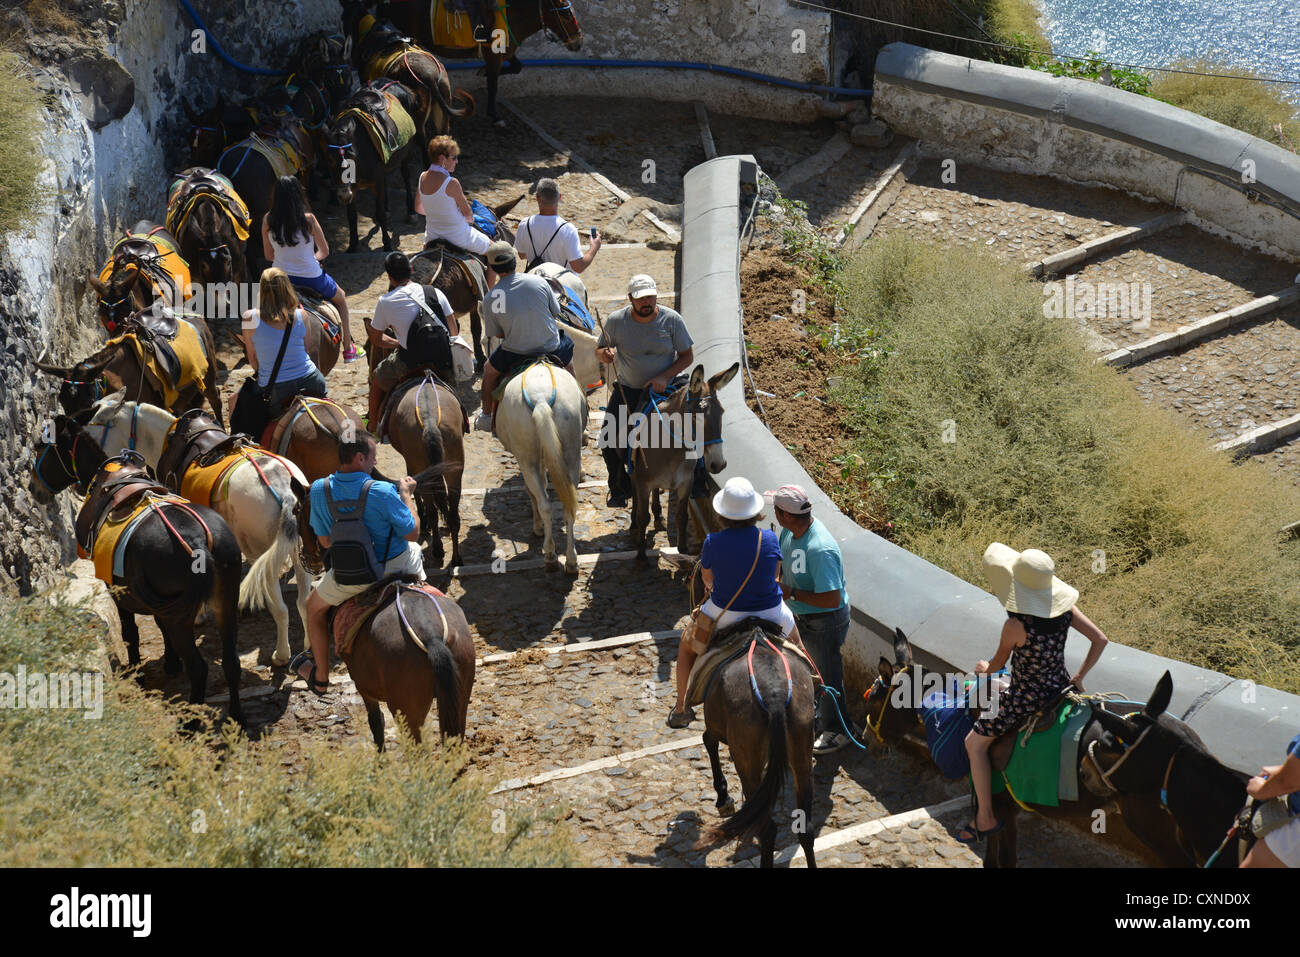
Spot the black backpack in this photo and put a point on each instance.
(427, 342)
(537, 259)
(351, 552)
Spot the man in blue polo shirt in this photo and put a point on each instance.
(812, 581)
(393, 521)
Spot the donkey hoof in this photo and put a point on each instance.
(278, 660)
(571, 567)
(727, 808)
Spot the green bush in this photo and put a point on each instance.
(20, 159)
(129, 789)
(1052, 450)
(1254, 107)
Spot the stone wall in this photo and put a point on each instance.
(114, 128)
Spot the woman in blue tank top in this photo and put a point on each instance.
(264, 332)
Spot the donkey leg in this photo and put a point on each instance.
(303, 580)
(225, 607)
(181, 636)
(172, 664)
(453, 518)
(431, 523)
(381, 211)
(660, 525)
(375, 718)
(726, 805)
(130, 634)
(535, 480)
(640, 518)
(476, 330)
(352, 224)
(799, 748)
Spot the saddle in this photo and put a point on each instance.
(314, 304)
(154, 251)
(202, 183)
(728, 644)
(412, 380)
(450, 26)
(345, 621)
(1002, 749)
(385, 119)
(471, 264)
(169, 348)
(277, 433)
(375, 38)
(194, 438)
(277, 146)
(114, 494)
(518, 370)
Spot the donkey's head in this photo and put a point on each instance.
(702, 399)
(82, 384)
(63, 457)
(886, 720)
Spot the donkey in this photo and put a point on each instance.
(117, 366)
(670, 465)
(309, 432)
(178, 558)
(1153, 830)
(259, 499)
(416, 648)
(432, 267)
(144, 264)
(523, 18)
(1152, 757)
(207, 237)
(541, 421)
(212, 130)
(354, 155)
(247, 164)
(762, 708)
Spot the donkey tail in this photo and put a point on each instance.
(262, 583)
(757, 810)
(448, 682)
(553, 455)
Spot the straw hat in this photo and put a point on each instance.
(738, 500)
(1026, 583)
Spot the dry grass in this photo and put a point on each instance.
(20, 160)
(1054, 451)
(50, 15)
(1254, 107)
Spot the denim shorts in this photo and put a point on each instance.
(503, 360)
(323, 285)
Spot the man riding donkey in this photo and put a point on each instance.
(524, 311)
(648, 345)
(406, 311)
(386, 541)
(546, 238)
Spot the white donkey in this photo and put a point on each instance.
(586, 366)
(541, 421)
(262, 516)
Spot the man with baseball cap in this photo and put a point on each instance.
(522, 310)
(649, 345)
(545, 237)
(812, 581)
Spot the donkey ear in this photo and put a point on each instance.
(697, 380)
(886, 670)
(722, 378)
(902, 650)
(60, 371)
(1160, 697)
(1120, 727)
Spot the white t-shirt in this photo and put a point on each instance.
(563, 249)
(397, 309)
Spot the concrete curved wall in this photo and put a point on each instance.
(1032, 122)
(951, 623)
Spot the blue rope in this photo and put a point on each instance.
(834, 695)
(216, 47)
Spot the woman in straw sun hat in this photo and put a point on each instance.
(1040, 611)
(740, 565)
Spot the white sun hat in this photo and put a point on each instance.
(641, 285)
(738, 500)
(1026, 583)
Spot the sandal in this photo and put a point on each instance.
(680, 719)
(973, 835)
(319, 688)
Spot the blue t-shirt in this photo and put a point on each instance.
(729, 554)
(386, 516)
(1293, 802)
(812, 562)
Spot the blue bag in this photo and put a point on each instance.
(484, 220)
(947, 720)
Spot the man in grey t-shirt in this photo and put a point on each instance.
(522, 309)
(648, 345)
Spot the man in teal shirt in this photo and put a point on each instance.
(812, 581)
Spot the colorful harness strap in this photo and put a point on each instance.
(427, 380)
(523, 385)
(410, 632)
(753, 681)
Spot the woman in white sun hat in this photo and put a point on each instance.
(740, 566)
(1040, 611)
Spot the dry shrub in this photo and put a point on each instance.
(1252, 106)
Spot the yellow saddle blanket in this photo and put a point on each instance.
(188, 349)
(387, 141)
(186, 193)
(169, 276)
(455, 29)
(112, 536)
(282, 156)
(204, 483)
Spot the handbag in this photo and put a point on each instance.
(698, 631)
(253, 404)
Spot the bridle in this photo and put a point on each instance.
(69, 468)
(555, 35)
(879, 685)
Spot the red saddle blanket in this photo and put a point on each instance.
(352, 615)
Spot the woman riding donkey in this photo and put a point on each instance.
(448, 215)
(293, 241)
(740, 566)
(278, 328)
(1040, 610)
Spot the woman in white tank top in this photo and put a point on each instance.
(294, 242)
(447, 214)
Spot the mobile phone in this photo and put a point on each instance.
(593, 232)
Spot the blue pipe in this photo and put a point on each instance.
(677, 65)
(222, 53)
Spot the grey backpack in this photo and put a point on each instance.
(352, 553)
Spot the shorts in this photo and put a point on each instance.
(1285, 842)
(390, 371)
(322, 285)
(410, 561)
(778, 615)
(504, 360)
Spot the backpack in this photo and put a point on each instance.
(427, 342)
(351, 552)
(537, 259)
(947, 720)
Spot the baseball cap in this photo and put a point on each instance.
(500, 253)
(791, 499)
(641, 285)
